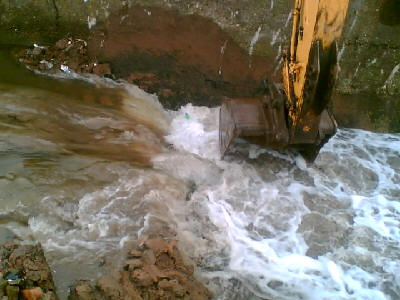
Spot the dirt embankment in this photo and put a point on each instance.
(181, 58)
(24, 273)
(155, 270)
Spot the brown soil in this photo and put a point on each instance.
(155, 270)
(181, 58)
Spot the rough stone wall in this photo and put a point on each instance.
(369, 52)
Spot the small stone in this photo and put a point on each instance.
(82, 290)
(149, 257)
(165, 284)
(133, 264)
(135, 253)
(172, 285)
(37, 51)
(142, 279)
(179, 290)
(32, 293)
(61, 44)
(12, 292)
(109, 286)
(33, 275)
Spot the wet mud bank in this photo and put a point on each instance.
(155, 269)
(183, 59)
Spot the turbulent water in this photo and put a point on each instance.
(87, 176)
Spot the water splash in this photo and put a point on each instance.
(91, 22)
(223, 48)
(275, 36)
(390, 77)
(253, 41)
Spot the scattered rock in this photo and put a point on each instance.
(110, 286)
(67, 52)
(101, 69)
(156, 271)
(24, 271)
(62, 44)
(135, 253)
(83, 290)
(133, 263)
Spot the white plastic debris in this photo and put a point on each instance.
(65, 69)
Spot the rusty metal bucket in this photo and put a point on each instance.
(263, 122)
(259, 121)
(240, 117)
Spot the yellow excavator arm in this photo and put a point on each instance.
(298, 117)
(317, 25)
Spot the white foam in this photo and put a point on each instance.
(254, 40)
(190, 131)
(241, 200)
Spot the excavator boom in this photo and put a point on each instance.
(298, 116)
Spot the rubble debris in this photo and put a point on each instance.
(24, 273)
(67, 55)
(155, 270)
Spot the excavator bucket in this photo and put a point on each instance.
(257, 120)
(240, 117)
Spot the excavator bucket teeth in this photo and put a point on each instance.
(226, 127)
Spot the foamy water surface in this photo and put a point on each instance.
(260, 224)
